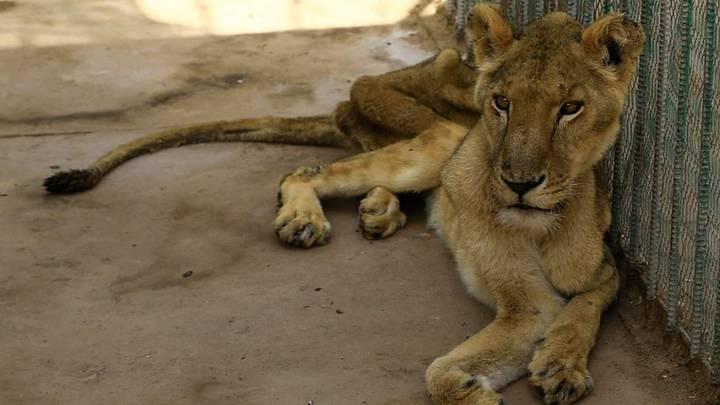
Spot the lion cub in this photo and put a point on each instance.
(516, 198)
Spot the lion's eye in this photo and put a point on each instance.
(571, 108)
(501, 103)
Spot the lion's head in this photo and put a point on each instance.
(551, 98)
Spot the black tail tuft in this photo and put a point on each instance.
(72, 181)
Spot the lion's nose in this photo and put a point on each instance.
(523, 187)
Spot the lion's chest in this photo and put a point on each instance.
(474, 281)
(485, 262)
(488, 260)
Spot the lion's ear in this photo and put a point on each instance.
(489, 30)
(617, 42)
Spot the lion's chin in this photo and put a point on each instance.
(528, 218)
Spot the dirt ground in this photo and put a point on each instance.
(165, 284)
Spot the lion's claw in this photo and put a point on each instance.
(564, 387)
(303, 228)
(559, 381)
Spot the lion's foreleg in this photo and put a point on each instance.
(407, 166)
(473, 372)
(486, 362)
(559, 367)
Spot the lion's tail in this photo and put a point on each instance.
(317, 130)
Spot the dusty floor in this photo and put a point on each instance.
(165, 285)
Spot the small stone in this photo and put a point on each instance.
(93, 373)
(339, 311)
(187, 274)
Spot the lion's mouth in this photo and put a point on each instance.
(525, 207)
(532, 208)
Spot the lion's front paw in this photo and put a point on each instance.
(564, 387)
(558, 372)
(380, 214)
(302, 226)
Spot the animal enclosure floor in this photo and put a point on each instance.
(166, 285)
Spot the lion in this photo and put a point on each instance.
(517, 199)
(507, 147)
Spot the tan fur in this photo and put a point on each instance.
(380, 214)
(534, 253)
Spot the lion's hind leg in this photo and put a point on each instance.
(300, 220)
(412, 165)
(380, 214)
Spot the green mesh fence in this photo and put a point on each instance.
(665, 167)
